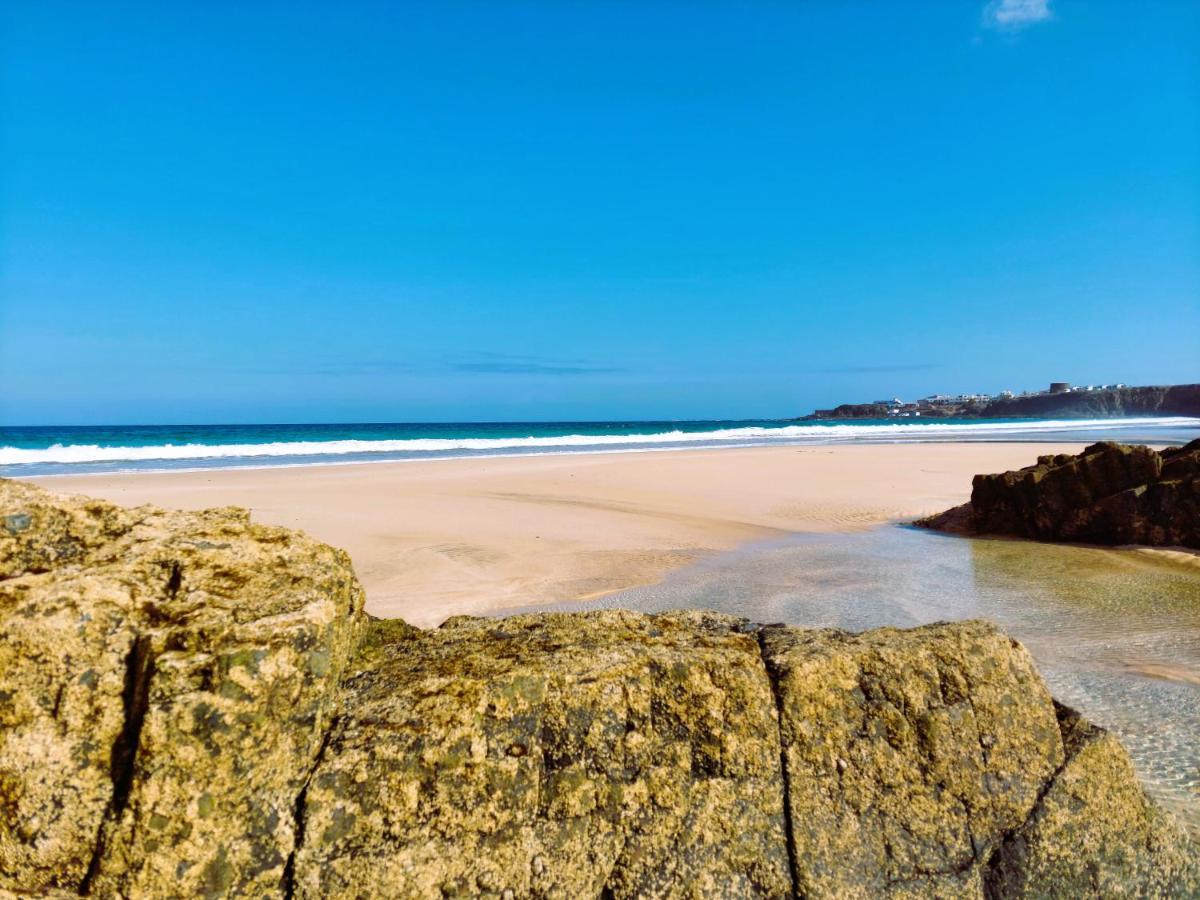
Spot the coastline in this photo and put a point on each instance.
(436, 538)
(36, 451)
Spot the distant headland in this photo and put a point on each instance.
(1060, 400)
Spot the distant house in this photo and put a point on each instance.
(1060, 387)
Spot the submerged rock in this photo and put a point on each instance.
(194, 705)
(1107, 494)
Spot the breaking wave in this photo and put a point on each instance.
(357, 449)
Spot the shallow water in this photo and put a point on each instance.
(1117, 636)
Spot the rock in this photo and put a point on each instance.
(908, 754)
(1108, 494)
(956, 520)
(194, 705)
(64, 646)
(169, 678)
(605, 754)
(1094, 832)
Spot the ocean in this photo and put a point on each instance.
(57, 450)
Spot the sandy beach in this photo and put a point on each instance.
(467, 536)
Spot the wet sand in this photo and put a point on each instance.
(432, 539)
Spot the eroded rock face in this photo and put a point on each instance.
(908, 754)
(1094, 833)
(193, 705)
(169, 678)
(603, 754)
(1107, 494)
(64, 643)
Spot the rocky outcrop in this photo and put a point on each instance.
(883, 411)
(196, 706)
(602, 755)
(1093, 833)
(909, 755)
(1108, 494)
(168, 680)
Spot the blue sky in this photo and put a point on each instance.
(456, 211)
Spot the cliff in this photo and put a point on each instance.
(1107, 494)
(195, 705)
(1173, 400)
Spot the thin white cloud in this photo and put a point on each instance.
(1014, 14)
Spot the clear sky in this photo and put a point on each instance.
(354, 211)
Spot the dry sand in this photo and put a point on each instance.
(432, 539)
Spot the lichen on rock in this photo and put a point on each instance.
(1094, 831)
(170, 678)
(908, 754)
(602, 754)
(195, 705)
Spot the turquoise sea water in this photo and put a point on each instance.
(26, 451)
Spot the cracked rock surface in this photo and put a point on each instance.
(167, 680)
(909, 754)
(194, 705)
(605, 754)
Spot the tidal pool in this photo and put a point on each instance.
(1116, 633)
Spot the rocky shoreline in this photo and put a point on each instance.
(1108, 494)
(197, 705)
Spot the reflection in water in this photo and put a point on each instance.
(1116, 635)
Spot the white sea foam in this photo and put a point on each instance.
(66, 454)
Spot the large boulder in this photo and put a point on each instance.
(931, 762)
(615, 754)
(607, 754)
(908, 754)
(194, 705)
(1107, 494)
(168, 679)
